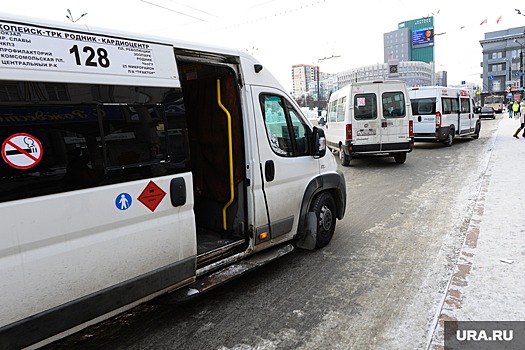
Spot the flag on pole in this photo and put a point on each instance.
(499, 19)
(484, 21)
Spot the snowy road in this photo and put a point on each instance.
(380, 284)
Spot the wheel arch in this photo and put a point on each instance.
(333, 183)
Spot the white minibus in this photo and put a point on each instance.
(370, 118)
(133, 166)
(442, 114)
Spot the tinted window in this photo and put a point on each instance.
(91, 135)
(423, 106)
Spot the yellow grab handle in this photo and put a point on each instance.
(230, 155)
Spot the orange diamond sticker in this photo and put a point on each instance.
(152, 196)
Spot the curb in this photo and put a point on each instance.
(453, 297)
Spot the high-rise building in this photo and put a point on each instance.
(442, 78)
(421, 38)
(413, 41)
(305, 81)
(503, 61)
(397, 45)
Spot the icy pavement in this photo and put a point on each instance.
(488, 281)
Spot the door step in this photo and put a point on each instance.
(207, 282)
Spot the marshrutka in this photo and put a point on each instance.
(125, 177)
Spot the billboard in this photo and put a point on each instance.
(423, 36)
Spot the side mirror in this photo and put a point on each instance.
(319, 143)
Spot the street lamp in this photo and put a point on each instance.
(319, 80)
(434, 59)
(521, 61)
(508, 65)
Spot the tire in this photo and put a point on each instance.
(325, 212)
(345, 160)
(400, 158)
(478, 130)
(450, 138)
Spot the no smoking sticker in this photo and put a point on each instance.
(22, 151)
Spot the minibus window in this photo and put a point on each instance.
(332, 111)
(365, 106)
(134, 135)
(62, 123)
(393, 104)
(423, 106)
(450, 105)
(287, 134)
(341, 109)
(465, 105)
(299, 134)
(9, 92)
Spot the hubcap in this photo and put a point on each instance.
(325, 218)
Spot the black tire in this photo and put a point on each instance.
(400, 158)
(325, 211)
(345, 160)
(478, 130)
(450, 138)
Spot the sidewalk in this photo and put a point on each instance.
(488, 283)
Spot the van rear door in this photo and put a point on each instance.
(366, 119)
(395, 121)
(424, 113)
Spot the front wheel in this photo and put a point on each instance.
(325, 212)
(478, 130)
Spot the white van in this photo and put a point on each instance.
(133, 166)
(442, 114)
(370, 118)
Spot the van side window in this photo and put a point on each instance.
(450, 105)
(365, 106)
(332, 111)
(286, 132)
(341, 109)
(92, 138)
(465, 106)
(137, 136)
(393, 104)
(423, 106)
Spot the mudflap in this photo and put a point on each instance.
(309, 237)
(206, 283)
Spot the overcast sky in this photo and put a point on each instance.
(286, 32)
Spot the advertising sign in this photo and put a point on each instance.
(422, 36)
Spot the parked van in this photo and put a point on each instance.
(442, 114)
(370, 118)
(133, 166)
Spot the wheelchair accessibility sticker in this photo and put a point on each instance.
(123, 201)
